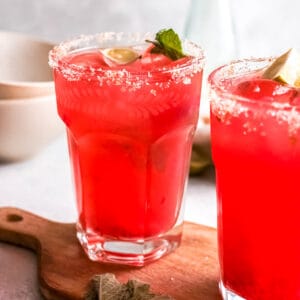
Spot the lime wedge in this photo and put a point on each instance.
(200, 160)
(285, 69)
(120, 56)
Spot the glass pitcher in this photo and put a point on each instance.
(210, 23)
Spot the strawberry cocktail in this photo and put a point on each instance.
(130, 105)
(255, 131)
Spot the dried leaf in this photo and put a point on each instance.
(107, 287)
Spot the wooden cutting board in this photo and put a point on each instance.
(189, 273)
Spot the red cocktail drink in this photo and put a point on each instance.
(255, 131)
(130, 129)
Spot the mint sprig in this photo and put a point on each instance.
(167, 42)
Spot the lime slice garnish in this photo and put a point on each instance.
(200, 160)
(120, 56)
(285, 68)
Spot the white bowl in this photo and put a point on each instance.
(28, 116)
(27, 126)
(24, 70)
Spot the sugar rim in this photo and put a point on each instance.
(75, 72)
(233, 70)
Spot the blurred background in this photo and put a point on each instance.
(226, 28)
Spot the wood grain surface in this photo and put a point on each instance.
(189, 273)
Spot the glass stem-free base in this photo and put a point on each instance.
(227, 294)
(130, 252)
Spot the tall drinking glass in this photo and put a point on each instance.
(130, 128)
(256, 151)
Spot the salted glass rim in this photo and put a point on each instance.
(92, 41)
(235, 69)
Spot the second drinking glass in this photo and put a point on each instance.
(255, 131)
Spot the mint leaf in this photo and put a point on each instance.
(168, 43)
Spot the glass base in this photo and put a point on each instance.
(227, 294)
(130, 252)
